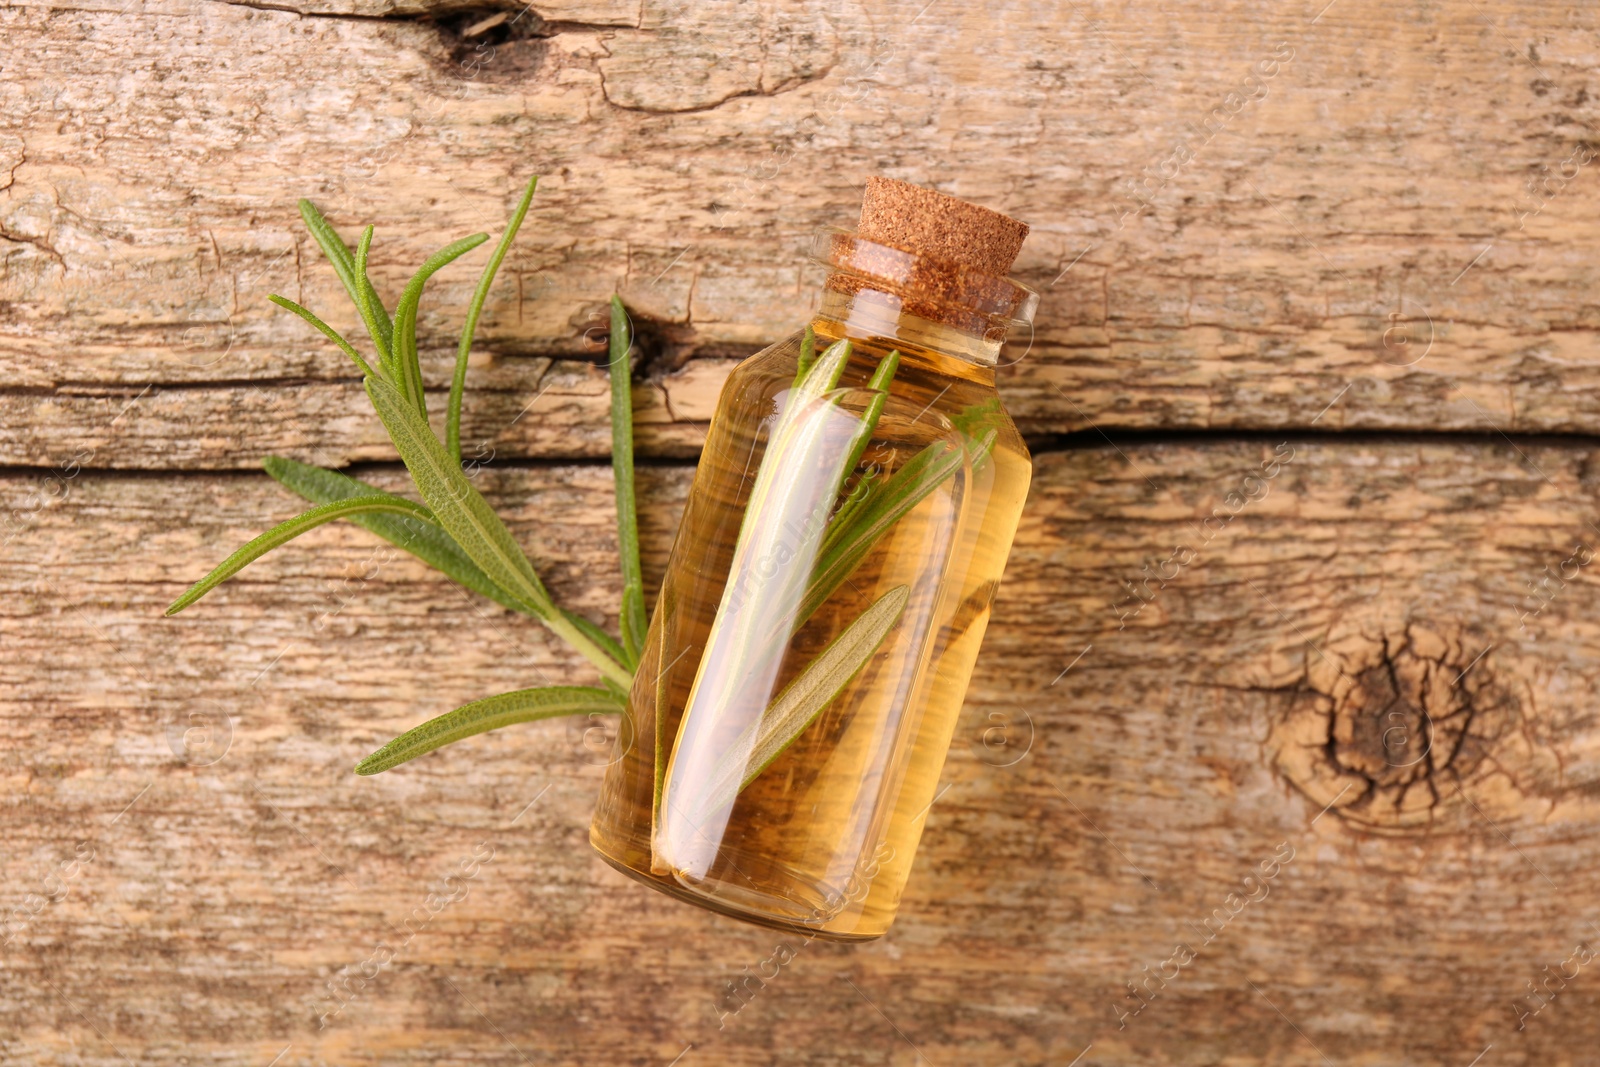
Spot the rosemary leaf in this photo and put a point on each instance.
(663, 692)
(405, 318)
(259, 546)
(344, 265)
(328, 331)
(458, 380)
(425, 540)
(981, 422)
(473, 524)
(802, 700)
(822, 374)
(864, 491)
(480, 716)
(808, 353)
(333, 246)
(879, 384)
(847, 544)
(633, 621)
(372, 313)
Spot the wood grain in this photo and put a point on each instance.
(1369, 673)
(1095, 819)
(1350, 215)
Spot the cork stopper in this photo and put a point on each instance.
(923, 254)
(931, 223)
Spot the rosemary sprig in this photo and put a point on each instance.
(458, 533)
(778, 522)
(857, 524)
(473, 524)
(748, 639)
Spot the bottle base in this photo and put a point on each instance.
(672, 889)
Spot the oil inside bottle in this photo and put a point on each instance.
(822, 837)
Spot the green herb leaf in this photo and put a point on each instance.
(803, 699)
(260, 546)
(372, 313)
(847, 544)
(458, 380)
(344, 265)
(333, 246)
(865, 489)
(523, 705)
(425, 540)
(405, 318)
(980, 422)
(808, 353)
(879, 383)
(328, 331)
(472, 523)
(633, 621)
(821, 375)
(663, 692)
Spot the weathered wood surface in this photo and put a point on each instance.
(188, 860)
(1144, 786)
(152, 154)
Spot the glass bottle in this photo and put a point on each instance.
(830, 584)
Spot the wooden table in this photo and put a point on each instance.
(1326, 791)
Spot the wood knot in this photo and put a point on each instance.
(1384, 730)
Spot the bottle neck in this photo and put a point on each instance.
(883, 320)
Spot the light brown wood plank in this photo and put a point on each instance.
(217, 906)
(1344, 224)
(535, 407)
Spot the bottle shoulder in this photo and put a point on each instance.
(938, 386)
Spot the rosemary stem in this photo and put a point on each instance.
(590, 651)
